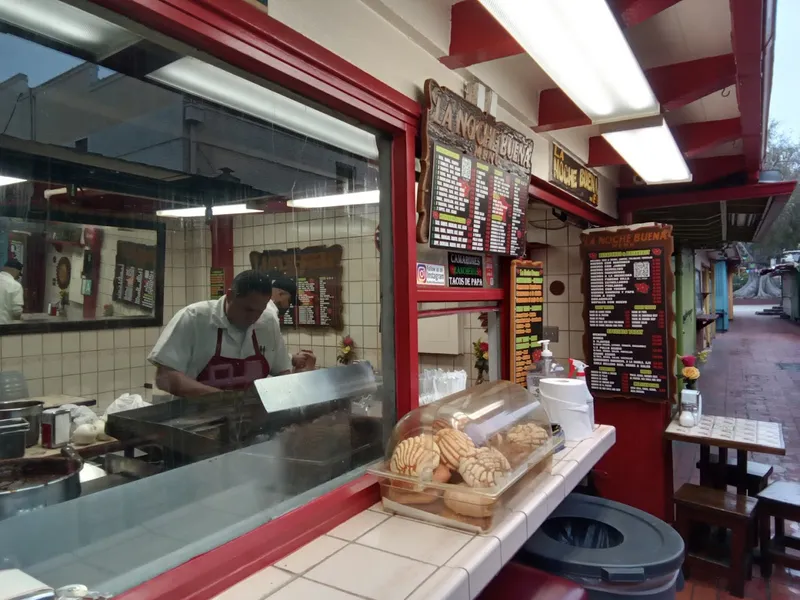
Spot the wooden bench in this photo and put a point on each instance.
(758, 474)
(694, 505)
(780, 501)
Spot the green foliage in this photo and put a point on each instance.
(739, 280)
(783, 154)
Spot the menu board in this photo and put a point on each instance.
(317, 274)
(473, 187)
(216, 280)
(527, 324)
(135, 275)
(464, 270)
(475, 206)
(628, 284)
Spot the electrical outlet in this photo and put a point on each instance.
(550, 333)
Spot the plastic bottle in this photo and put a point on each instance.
(579, 369)
(544, 367)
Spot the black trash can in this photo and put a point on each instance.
(614, 551)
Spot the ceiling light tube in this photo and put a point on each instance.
(368, 197)
(648, 147)
(581, 47)
(9, 180)
(196, 77)
(200, 211)
(63, 23)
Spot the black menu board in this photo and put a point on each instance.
(135, 274)
(527, 325)
(317, 274)
(627, 284)
(475, 206)
(473, 187)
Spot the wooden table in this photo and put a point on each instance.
(742, 435)
(86, 451)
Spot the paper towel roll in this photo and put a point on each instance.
(572, 391)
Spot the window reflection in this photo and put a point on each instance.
(99, 163)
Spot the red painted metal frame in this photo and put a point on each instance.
(692, 139)
(633, 12)
(444, 294)
(247, 38)
(674, 85)
(742, 192)
(752, 37)
(441, 312)
(550, 194)
(476, 37)
(704, 170)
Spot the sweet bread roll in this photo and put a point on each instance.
(486, 468)
(454, 445)
(464, 502)
(418, 456)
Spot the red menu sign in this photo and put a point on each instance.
(627, 285)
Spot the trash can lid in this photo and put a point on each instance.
(604, 540)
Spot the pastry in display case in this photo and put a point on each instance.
(456, 461)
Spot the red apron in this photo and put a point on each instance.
(226, 373)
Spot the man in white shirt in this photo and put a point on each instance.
(223, 344)
(284, 296)
(11, 296)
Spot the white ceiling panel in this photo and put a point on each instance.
(716, 106)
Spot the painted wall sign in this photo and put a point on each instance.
(572, 177)
(473, 188)
(527, 323)
(628, 283)
(216, 280)
(428, 274)
(464, 270)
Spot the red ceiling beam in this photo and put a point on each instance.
(693, 139)
(476, 37)
(633, 12)
(742, 192)
(674, 85)
(704, 170)
(752, 34)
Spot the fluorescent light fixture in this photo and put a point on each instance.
(196, 77)
(580, 46)
(9, 180)
(648, 147)
(200, 211)
(69, 25)
(368, 197)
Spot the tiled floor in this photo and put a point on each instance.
(742, 379)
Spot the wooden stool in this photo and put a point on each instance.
(695, 504)
(780, 501)
(758, 474)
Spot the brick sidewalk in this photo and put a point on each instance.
(742, 379)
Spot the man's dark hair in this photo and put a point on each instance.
(13, 263)
(250, 281)
(287, 284)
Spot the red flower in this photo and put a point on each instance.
(484, 347)
(347, 341)
(688, 360)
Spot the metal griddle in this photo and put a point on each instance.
(193, 429)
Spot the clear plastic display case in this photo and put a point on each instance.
(455, 461)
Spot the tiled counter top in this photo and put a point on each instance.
(379, 556)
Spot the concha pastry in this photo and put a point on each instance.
(454, 445)
(464, 502)
(486, 468)
(441, 424)
(528, 435)
(416, 457)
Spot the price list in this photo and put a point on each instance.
(318, 302)
(134, 274)
(627, 322)
(475, 206)
(527, 300)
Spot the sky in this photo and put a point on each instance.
(785, 103)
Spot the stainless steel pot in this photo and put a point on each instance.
(30, 483)
(31, 411)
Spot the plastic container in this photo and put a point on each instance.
(12, 437)
(453, 462)
(614, 551)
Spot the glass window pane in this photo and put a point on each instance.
(131, 177)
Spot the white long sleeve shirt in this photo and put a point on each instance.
(11, 299)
